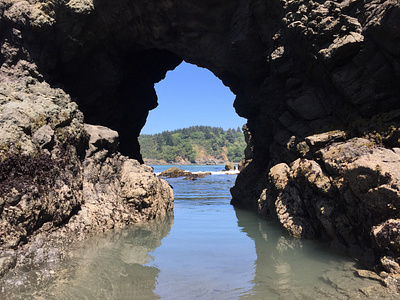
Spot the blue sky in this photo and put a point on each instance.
(190, 96)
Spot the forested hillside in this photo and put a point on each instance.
(194, 144)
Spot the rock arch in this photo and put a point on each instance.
(292, 66)
(297, 68)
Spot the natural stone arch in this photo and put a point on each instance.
(297, 68)
(126, 58)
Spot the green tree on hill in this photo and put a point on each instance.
(169, 145)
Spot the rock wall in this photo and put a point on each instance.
(315, 79)
(62, 180)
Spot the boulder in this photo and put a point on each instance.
(229, 166)
(101, 138)
(175, 172)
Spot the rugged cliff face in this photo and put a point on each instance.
(298, 68)
(62, 180)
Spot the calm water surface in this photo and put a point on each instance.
(206, 249)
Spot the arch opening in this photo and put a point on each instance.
(196, 96)
(192, 99)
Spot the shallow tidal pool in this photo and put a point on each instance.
(206, 249)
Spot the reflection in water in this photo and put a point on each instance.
(207, 250)
(289, 268)
(206, 256)
(110, 266)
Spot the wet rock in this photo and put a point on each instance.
(345, 197)
(355, 287)
(175, 172)
(368, 274)
(291, 200)
(229, 166)
(387, 236)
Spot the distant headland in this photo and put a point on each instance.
(203, 145)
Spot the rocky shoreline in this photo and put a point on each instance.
(175, 172)
(317, 82)
(341, 189)
(63, 180)
(356, 193)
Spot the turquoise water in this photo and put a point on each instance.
(206, 249)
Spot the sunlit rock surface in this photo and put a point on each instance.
(62, 180)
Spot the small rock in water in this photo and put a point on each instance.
(229, 166)
(175, 172)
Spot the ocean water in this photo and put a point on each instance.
(205, 249)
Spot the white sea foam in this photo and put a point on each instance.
(231, 172)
